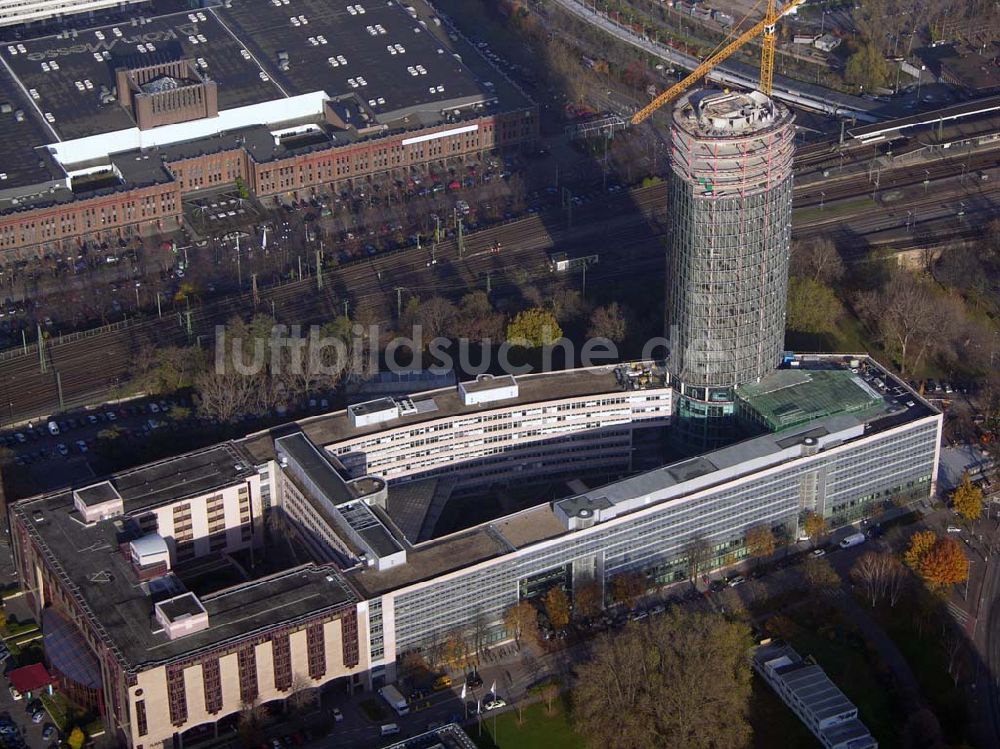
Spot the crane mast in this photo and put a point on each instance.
(767, 27)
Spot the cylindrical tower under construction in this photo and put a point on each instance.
(727, 273)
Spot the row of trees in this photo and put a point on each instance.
(248, 378)
(683, 681)
(931, 315)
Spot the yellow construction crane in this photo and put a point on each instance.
(766, 26)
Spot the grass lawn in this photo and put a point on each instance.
(841, 654)
(59, 709)
(540, 731)
(848, 337)
(773, 722)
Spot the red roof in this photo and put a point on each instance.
(30, 678)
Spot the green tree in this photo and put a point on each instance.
(866, 67)
(533, 328)
(241, 188)
(812, 306)
(967, 499)
(681, 681)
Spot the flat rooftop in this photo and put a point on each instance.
(77, 110)
(180, 606)
(23, 129)
(88, 560)
(984, 106)
(790, 397)
(186, 475)
(963, 65)
(672, 481)
(334, 427)
(734, 114)
(450, 736)
(363, 38)
(317, 467)
(387, 68)
(816, 693)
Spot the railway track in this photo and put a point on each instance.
(627, 234)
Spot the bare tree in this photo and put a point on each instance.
(698, 555)
(817, 259)
(879, 575)
(226, 396)
(521, 620)
(303, 693)
(820, 575)
(642, 687)
(549, 693)
(910, 319)
(250, 723)
(608, 322)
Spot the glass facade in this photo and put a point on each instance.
(730, 233)
(834, 484)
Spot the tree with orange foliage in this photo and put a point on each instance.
(945, 564)
(557, 606)
(921, 542)
(967, 499)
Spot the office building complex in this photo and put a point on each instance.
(13, 12)
(420, 518)
(730, 229)
(162, 608)
(109, 128)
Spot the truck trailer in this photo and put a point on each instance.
(395, 698)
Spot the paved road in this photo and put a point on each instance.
(787, 89)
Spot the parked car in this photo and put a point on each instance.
(853, 540)
(819, 552)
(473, 680)
(48, 732)
(738, 580)
(495, 704)
(337, 715)
(38, 716)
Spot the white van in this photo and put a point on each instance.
(390, 729)
(853, 540)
